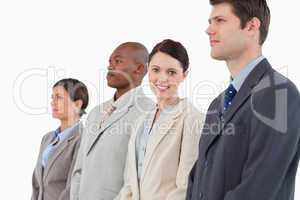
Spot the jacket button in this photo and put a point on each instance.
(200, 195)
(206, 163)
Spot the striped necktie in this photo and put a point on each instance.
(108, 111)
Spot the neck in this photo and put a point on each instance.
(237, 64)
(120, 92)
(64, 124)
(162, 103)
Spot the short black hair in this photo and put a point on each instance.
(76, 90)
(174, 49)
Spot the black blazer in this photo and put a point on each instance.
(251, 152)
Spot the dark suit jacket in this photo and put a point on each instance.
(53, 182)
(251, 151)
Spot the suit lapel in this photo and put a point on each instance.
(246, 89)
(134, 158)
(241, 97)
(213, 124)
(40, 171)
(158, 134)
(60, 148)
(115, 116)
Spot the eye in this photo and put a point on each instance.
(154, 69)
(220, 20)
(172, 73)
(118, 61)
(57, 97)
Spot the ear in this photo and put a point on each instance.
(253, 26)
(185, 74)
(141, 69)
(78, 103)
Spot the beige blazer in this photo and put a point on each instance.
(170, 154)
(53, 182)
(99, 169)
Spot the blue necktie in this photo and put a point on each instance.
(229, 95)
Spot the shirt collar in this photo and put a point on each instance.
(128, 98)
(175, 110)
(238, 81)
(67, 133)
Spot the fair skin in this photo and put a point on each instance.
(236, 46)
(165, 76)
(63, 108)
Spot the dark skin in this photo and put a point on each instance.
(127, 67)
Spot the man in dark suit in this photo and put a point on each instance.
(249, 148)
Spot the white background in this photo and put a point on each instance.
(43, 41)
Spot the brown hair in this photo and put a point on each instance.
(173, 49)
(245, 10)
(76, 90)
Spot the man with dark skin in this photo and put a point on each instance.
(98, 173)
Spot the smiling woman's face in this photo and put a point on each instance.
(165, 75)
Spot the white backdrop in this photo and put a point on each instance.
(43, 41)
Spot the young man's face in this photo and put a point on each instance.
(227, 39)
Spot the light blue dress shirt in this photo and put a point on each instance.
(147, 131)
(238, 81)
(58, 138)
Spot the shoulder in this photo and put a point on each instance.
(78, 131)
(96, 111)
(143, 104)
(190, 110)
(274, 80)
(48, 136)
(275, 102)
(274, 88)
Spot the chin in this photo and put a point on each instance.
(216, 56)
(56, 116)
(110, 85)
(162, 96)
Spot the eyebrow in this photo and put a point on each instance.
(170, 68)
(154, 66)
(117, 56)
(56, 95)
(215, 17)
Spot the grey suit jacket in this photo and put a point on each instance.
(98, 173)
(250, 152)
(53, 182)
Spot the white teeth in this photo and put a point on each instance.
(162, 87)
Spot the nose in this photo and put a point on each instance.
(110, 66)
(52, 103)
(163, 77)
(209, 31)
